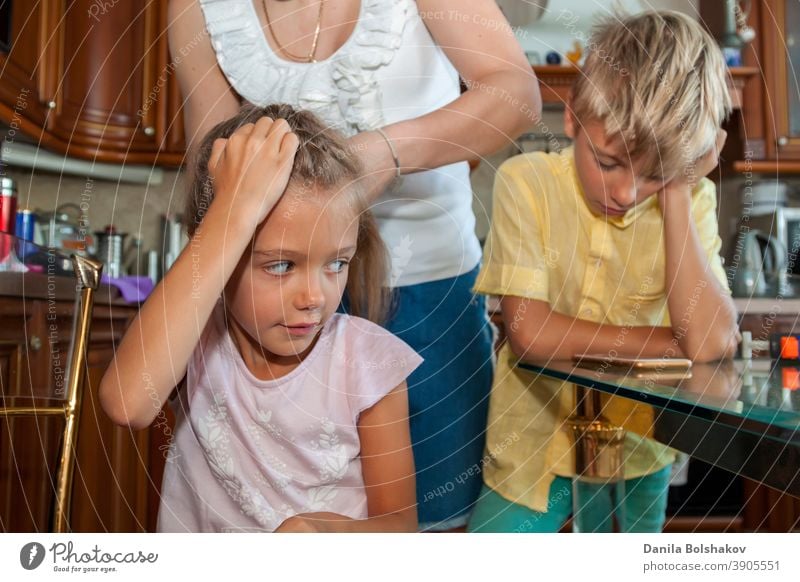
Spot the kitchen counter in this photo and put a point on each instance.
(767, 305)
(54, 288)
(740, 415)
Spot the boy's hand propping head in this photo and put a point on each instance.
(684, 183)
(251, 169)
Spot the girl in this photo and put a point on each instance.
(386, 74)
(290, 417)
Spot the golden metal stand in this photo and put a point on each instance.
(87, 272)
(598, 442)
(598, 446)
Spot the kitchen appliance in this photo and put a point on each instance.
(759, 265)
(109, 250)
(782, 224)
(764, 196)
(66, 228)
(174, 239)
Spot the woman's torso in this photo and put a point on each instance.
(388, 69)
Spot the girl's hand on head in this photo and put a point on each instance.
(251, 169)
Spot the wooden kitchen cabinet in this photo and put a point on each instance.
(781, 58)
(771, 104)
(112, 488)
(29, 63)
(99, 77)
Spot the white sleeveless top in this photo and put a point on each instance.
(389, 70)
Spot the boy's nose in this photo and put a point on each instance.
(624, 196)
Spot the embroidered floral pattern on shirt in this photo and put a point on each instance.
(332, 455)
(212, 433)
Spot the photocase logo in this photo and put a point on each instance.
(31, 555)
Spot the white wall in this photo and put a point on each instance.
(564, 21)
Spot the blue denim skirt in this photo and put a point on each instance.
(448, 394)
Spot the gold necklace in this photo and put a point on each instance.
(310, 58)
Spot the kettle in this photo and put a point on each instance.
(762, 258)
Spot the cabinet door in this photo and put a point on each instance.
(29, 446)
(111, 488)
(781, 63)
(117, 100)
(28, 56)
(107, 72)
(91, 79)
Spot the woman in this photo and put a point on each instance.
(386, 73)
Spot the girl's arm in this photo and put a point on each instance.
(387, 464)
(250, 171)
(501, 102)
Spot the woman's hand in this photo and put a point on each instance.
(319, 522)
(378, 167)
(251, 169)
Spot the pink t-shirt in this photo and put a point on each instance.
(246, 453)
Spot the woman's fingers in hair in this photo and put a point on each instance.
(217, 149)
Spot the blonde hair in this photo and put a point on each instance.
(323, 165)
(657, 80)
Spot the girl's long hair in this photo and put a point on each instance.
(323, 163)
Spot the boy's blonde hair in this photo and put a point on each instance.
(324, 165)
(657, 80)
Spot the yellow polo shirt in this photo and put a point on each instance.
(546, 244)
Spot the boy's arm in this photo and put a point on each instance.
(153, 356)
(387, 464)
(536, 332)
(702, 312)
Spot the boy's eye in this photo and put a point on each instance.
(279, 268)
(339, 265)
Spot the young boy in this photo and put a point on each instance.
(609, 247)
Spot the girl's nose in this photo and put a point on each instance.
(311, 295)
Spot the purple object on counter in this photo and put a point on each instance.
(133, 289)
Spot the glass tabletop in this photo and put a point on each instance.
(757, 395)
(741, 415)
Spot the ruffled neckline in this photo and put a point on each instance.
(348, 96)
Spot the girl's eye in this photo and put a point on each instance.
(280, 268)
(339, 265)
(606, 167)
